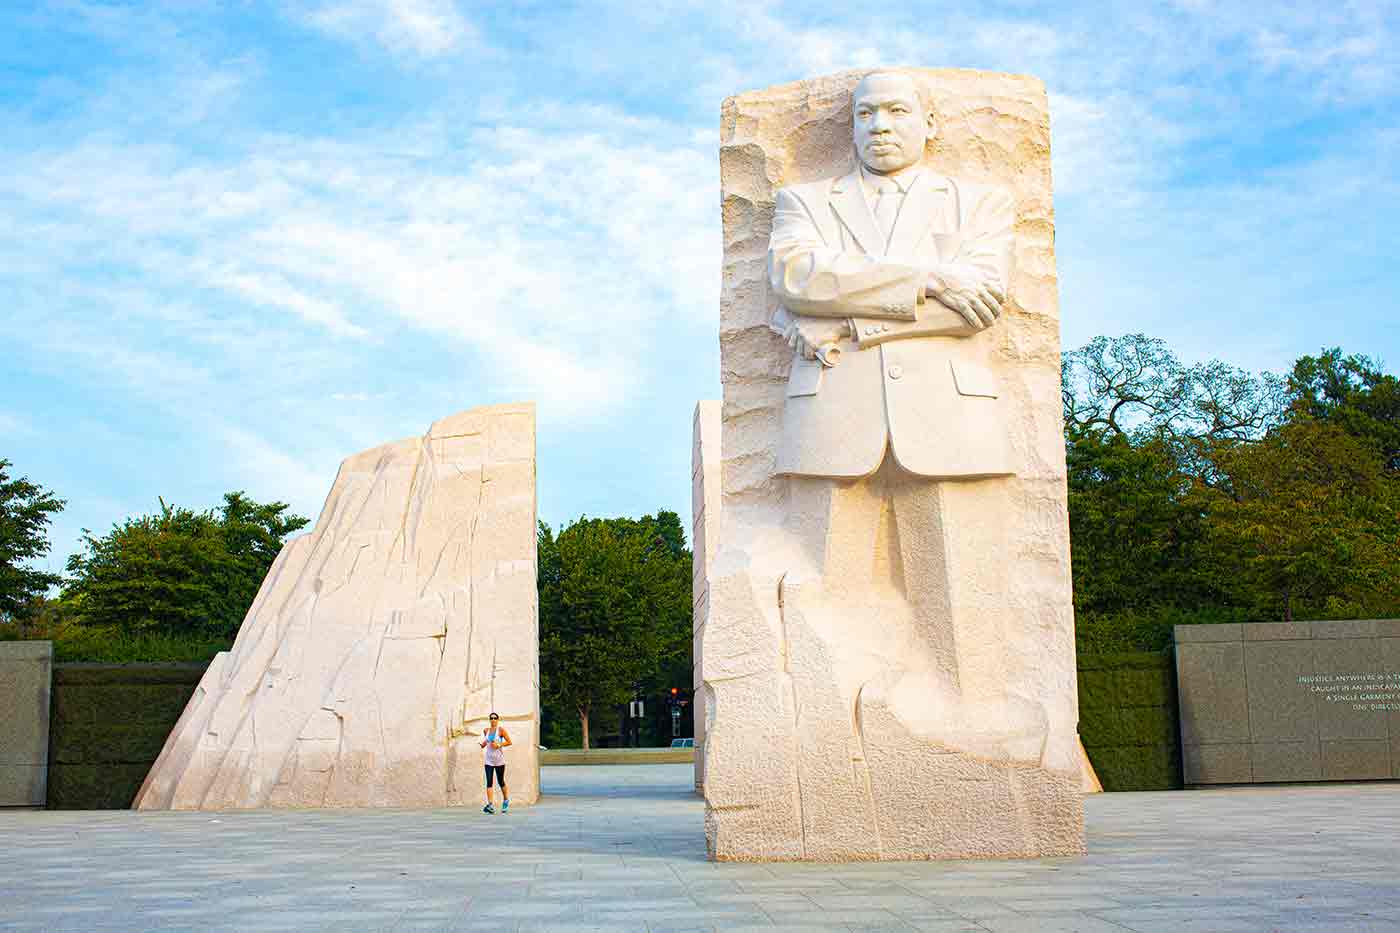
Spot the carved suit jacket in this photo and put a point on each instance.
(914, 376)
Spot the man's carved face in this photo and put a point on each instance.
(891, 125)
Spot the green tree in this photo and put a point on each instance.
(1134, 531)
(615, 607)
(179, 572)
(26, 509)
(1208, 493)
(1136, 387)
(1354, 393)
(1304, 520)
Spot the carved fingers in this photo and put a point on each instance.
(965, 290)
(793, 338)
(807, 336)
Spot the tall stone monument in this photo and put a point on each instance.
(888, 652)
(380, 642)
(704, 525)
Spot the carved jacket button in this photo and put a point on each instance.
(896, 371)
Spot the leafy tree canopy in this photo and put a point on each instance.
(1212, 493)
(179, 572)
(1136, 387)
(615, 609)
(1353, 393)
(1135, 533)
(26, 509)
(1306, 518)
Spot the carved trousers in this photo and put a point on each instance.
(939, 545)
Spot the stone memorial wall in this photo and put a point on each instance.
(24, 722)
(1289, 701)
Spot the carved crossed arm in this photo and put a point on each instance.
(816, 280)
(982, 264)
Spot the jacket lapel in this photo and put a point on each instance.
(924, 206)
(848, 203)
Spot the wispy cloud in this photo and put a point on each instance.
(265, 465)
(223, 267)
(271, 289)
(545, 252)
(422, 29)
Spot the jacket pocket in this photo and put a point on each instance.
(973, 380)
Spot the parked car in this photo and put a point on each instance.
(682, 743)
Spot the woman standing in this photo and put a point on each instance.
(496, 742)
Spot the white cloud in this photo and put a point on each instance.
(271, 472)
(178, 259)
(1096, 151)
(556, 257)
(420, 28)
(276, 291)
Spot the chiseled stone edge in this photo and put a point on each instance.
(754, 372)
(181, 758)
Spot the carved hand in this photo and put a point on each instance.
(966, 291)
(806, 335)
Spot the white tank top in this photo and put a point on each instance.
(494, 756)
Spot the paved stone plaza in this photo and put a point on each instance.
(621, 848)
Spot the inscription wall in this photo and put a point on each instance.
(25, 676)
(1289, 701)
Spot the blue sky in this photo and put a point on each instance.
(242, 240)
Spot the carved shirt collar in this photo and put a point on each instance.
(902, 179)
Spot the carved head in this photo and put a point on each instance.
(890, 121)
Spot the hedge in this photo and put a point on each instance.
(107, 725)
(1128, 719)
(109, 722)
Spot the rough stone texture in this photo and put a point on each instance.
(704, 513)
(25, 677)
(809, 754)
(1269, 702)
(379, 642)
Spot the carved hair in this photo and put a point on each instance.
(925, 105)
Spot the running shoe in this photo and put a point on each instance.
(505, 806)
(488, 809)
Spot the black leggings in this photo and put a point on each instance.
(500, 771)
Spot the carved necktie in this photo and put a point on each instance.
(887, 200)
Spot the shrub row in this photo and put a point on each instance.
(107, 725)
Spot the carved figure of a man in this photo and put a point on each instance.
(891, 280)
